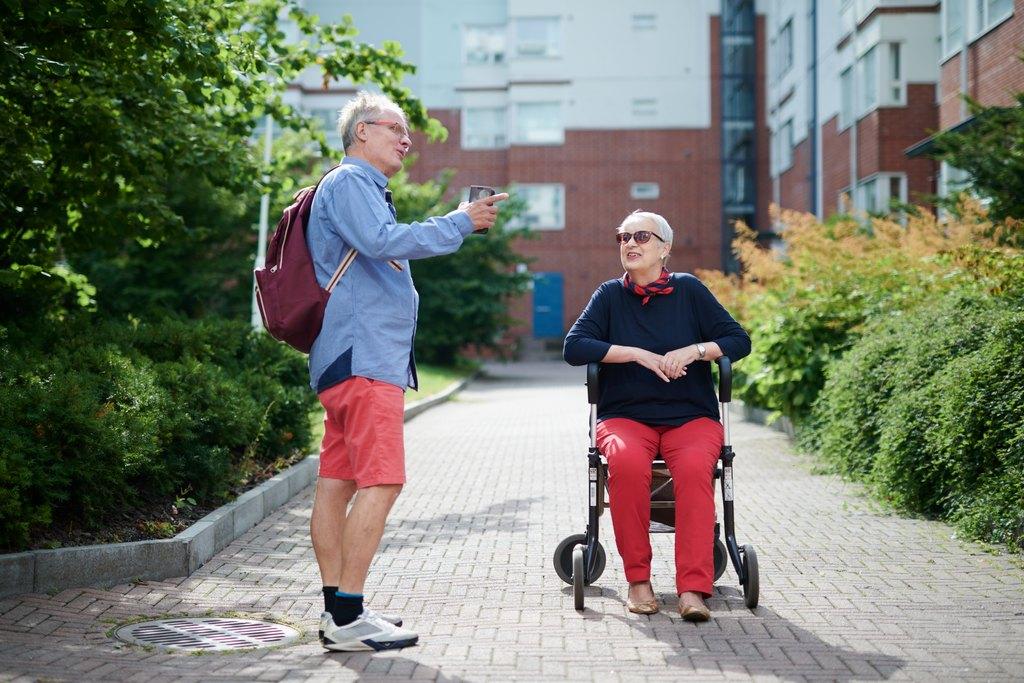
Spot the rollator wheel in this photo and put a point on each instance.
(563, 559)
(721, 558)
(577, 578)
(753, 584)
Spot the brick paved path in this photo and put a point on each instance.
(497, 479)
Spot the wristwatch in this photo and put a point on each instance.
(701, 350)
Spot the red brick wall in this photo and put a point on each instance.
(994, 73)
(902, 127)
(835, 164)
(882, 137)
(597, 168)
(794, 185)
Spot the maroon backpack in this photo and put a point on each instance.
(289, 297)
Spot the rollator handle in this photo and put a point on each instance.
(592, 390)
(724, 379)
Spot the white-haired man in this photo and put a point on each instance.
(362, 362)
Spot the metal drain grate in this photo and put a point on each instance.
(207, 634)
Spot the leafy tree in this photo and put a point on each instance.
(992, 152)
(107, 105)
(463, 296)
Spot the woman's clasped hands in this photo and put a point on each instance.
(669, 366)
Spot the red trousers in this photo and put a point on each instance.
(690, 452)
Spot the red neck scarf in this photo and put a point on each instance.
(659, 286)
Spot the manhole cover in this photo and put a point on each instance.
(207, 633)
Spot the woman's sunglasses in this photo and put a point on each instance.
(641, 236)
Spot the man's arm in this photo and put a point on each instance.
(357, 212)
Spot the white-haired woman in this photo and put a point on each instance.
(656, 333)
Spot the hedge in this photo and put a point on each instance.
(894, 346)
(94, 418)
(928, 409)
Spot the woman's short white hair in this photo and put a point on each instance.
(661, 227)
(365, 106)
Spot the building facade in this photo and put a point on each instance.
(855, 89)
(587, 109)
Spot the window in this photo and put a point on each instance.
(545, 206)
(786, 146)
(875, 194)
(539, 123)
(846, 98)
(328, 120)
(739, 99)
(951, 179)
(868, 200)
(645, 22)
(644, 191)
(952, 26)
(786, 47)
(996, 11)
(538, 37)
(483, 128)
(645, 106)
(868, 67)
(895, 188)
(894, 74)
(739, 140)
(483, 45)
(738, 186)
(740, 57)
(738, 16)
(985, 15)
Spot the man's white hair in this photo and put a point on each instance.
(365, 106)
(652, 220)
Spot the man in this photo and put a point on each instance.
(362, 362)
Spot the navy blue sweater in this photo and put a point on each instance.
(688, 315)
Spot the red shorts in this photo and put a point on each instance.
(363, 432)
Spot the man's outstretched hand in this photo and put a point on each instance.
(483, 212)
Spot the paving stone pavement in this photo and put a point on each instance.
(497, 479)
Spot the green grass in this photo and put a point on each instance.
(433, 379)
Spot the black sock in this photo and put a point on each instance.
(347, 607)
(329, 592)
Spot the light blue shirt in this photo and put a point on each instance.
(370, 321)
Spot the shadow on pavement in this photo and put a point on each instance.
(756, 642)
(508, 516)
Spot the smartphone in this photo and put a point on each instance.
(481, 192)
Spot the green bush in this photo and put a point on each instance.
(94, 418)
(896, 354)
(928, 408)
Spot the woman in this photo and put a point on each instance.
(656, 334)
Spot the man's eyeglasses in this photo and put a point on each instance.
(395, 127)
(641, 236)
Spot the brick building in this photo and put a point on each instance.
(588, 109)
(704, 111)
(981, 43)
(856, 87)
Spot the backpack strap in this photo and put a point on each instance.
(347, 261)
(352, 253)
(342, 267)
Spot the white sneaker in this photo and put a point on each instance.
(325, 620)
(368, 632)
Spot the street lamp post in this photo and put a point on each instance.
(261, 246)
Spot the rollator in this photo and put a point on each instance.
(580, 559)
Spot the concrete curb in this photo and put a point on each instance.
(109, 564)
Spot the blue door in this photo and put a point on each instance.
(547, 305)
